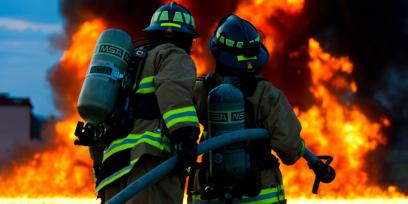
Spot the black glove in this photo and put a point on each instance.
(185, 139)
(87, 136)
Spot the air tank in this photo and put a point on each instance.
(103, 80)
(226, 113)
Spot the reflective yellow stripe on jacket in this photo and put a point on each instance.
(146, 85)
(154, 139)
(116, 175)
(266, 196)
(151, 138)
(180, 115)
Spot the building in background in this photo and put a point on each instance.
(15, 124)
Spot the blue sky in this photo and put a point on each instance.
(26, 54)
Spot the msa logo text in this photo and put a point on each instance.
(236, 116)
(227, 116)
(109, 49)
(219, 117)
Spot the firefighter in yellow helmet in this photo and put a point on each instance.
(239, 55)
(164, 119)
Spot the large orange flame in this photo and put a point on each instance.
(333, 125)
(259, 12)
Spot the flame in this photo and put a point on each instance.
(64, 170)
(332, 127)
(60, 171)
(250, 10)
(200, 62)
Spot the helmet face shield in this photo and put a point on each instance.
(237, 45)
(172, 18)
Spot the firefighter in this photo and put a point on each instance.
(239, 54)
(164, 119)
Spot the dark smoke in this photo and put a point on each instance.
(131, 16)
(374, 34)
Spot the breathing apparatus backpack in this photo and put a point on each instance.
(229, 165)
(233, 171)
(106, 94)
(103, 81)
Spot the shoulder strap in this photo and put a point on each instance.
(136, 66)
(132, 78)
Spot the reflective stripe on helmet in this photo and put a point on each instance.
(230, 42)
(173, 17)
(243, 58)
(178, 17)
(164, 16)
(170, 25)
(257, 39)
(187, 18)
(192, 22)
(222, 39)
(180, 115)
(155, 17)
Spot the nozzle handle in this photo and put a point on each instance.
(323, 171)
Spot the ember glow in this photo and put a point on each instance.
(334, 125)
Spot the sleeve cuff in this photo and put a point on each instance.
(179, 116)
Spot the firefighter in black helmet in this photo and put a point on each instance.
(237, 47)
(239, 54)
(164, 118)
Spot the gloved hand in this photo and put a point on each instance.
(185, 139)
(87, 136)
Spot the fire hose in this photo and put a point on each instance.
(167, 166)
